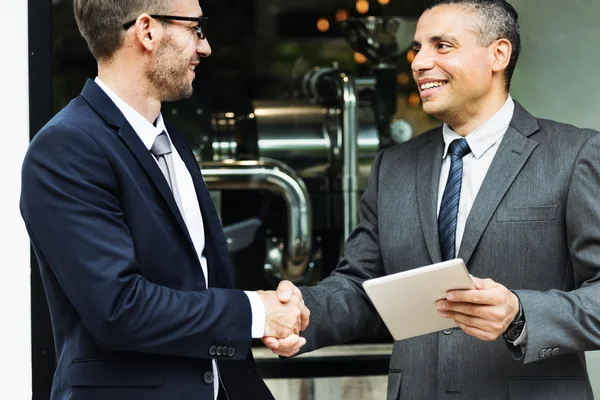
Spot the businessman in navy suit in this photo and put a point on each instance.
(131, 251)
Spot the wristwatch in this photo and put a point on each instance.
(515, 328)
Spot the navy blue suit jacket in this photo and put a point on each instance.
(131, 315)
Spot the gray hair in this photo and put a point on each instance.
(101, 21)
(494, 19)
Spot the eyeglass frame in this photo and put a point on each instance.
(200, 28)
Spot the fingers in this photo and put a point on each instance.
(484, 312)
(481, 311)
(284, 319)
(286, 347)
(493, 315)
(286, 291)
(305, 315)
(285, 310)
(487, 292)
(285, 353)
(495, 326)
(270, 342)
(477, 332)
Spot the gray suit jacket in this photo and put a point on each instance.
(534, 227)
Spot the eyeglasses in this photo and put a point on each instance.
(200, 29)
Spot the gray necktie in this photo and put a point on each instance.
(161, 149)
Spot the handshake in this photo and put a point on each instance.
(286, 317)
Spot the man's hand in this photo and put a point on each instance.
(285, 311)
(284, 347)
(290, 345)
(484, 312)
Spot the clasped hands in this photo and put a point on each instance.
(484, 312)
(286, 317)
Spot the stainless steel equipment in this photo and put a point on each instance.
(300, 165)
(277, 178)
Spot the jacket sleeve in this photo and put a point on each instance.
(72, 209)
(340, 310)
(560, 322)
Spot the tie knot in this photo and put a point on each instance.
(459, 147)
(161, 145)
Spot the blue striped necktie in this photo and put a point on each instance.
(449, 206)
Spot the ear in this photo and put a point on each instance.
(147, 31)
(502, 50)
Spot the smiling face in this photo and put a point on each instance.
(171, 71)
(457, 76)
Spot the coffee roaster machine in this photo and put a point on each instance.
(287, 177)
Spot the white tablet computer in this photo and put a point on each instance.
(406, 301)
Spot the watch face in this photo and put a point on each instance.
(515, 331)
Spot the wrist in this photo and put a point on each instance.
(515, 328)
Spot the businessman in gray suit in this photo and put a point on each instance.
(514, 196)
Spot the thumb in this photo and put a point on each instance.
(285, 291)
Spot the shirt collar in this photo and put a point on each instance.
(145, 130)
(484, 137)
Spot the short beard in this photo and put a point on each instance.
(167, 75)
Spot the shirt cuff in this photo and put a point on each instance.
(258, 315)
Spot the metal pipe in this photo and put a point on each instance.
(278, 178)
(364, 83)
(350, 144)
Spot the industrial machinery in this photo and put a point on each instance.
(287, 177)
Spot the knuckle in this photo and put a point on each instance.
(497, 327)
(470, 310)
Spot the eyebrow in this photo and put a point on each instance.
(436, 39)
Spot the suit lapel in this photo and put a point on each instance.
(147, 161)
(429, 164)
(512, 155)
(217, 253)
(102, 104)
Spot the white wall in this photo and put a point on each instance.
(558, 75)
(15, 314)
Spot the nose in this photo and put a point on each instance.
(423, 61)
(203, 48)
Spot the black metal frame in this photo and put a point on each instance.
(40, 111)
(324, 367)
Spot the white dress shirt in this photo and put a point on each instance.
(484, 143)
(189, 201)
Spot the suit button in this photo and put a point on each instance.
(448, 331)
(555, 351)
(213, 350)
(543, 353)
(224, 350)
(208, 377)
(230, 352)
(219, 351)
